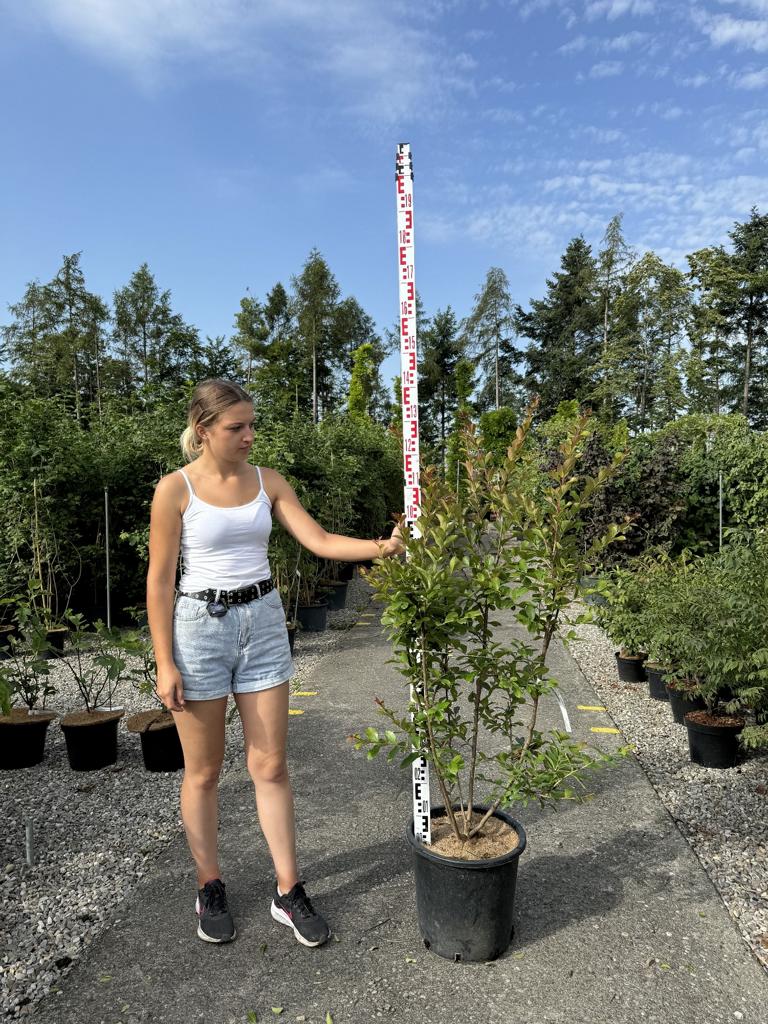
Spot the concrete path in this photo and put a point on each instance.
(617, 923)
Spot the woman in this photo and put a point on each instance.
(224, 632)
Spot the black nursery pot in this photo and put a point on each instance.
(91, 746)
(337, 596)
(346, 571)
(681, 703)
(657, 688)
(161, 749)
(631, 670)
(466, 907)
(313, 618)
(713, 746)
(22, 742)
(291, 636)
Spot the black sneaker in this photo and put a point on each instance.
(214, 921)
(295, 910)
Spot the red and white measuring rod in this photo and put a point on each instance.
(410, 405)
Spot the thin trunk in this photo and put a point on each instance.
(747, 369)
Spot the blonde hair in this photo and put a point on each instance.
(209, 400)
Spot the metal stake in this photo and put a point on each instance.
(106, 541)
(30, 844)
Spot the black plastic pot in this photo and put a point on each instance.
(22, 740)
(336, 595)
(6, 632)
(657, 688)
(93, 745)
(713, 746)
(55, 638)
(161, 749)
(466, 907)
(291, 636)
(313, 618)
(631, 670)
(681, 703)
(346, 571)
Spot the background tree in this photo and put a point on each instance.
(613, 261)
(315, 303)
(489, 332)
(159, 346)
(564, 329)
(441, 349)
(362, 382)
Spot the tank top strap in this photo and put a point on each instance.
(261, 482)
(188, 482)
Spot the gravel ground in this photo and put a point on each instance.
(723, 814)
(96, 834)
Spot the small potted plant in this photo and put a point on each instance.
(284, 565)
(475, 695)
(160, 744)
(25, 687)
(622, 619)
(96, 664)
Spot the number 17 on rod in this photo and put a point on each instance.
(410, 404)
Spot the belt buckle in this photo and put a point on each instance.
(218, 607)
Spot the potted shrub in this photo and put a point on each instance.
(24, 689)
(284, 565)
(160, 743)
(622, 619)
(469, 689)
(660, 622)
(96, 663)
(312, 608)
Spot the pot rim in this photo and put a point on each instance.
(712, 730)
(472, 865)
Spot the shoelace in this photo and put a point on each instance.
(214, 898)
(300, 902)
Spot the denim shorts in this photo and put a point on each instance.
(243, 651)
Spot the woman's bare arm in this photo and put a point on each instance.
(290, 513)
(164, 541)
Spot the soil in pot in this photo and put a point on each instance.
(714, 739)
(631, 667)
(22, 738)
(466, 906)
(91, 739)
(682, 700)
(313, 618)
(657, 688)
(160, 743)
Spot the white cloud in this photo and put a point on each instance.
(606, 69)
(386, 64)
(743, 33)
(751, 79)
(692, 81)
(612, 9)
(575, 45)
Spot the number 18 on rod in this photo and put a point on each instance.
(410, 405)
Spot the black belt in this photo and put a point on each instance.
(227, 597)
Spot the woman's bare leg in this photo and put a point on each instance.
(201, 731)
(265, 727)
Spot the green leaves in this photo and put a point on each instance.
(465, 679)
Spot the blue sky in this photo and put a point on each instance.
(221, 141)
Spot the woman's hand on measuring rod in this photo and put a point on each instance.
(392, 545)
(170, 688)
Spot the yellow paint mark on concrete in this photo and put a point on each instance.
(602, 728)
(295, 711)
(590, 707)
(304, 693)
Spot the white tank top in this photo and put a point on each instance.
(224, 547)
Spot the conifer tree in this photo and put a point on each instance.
(489, 333)
(564, 329)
